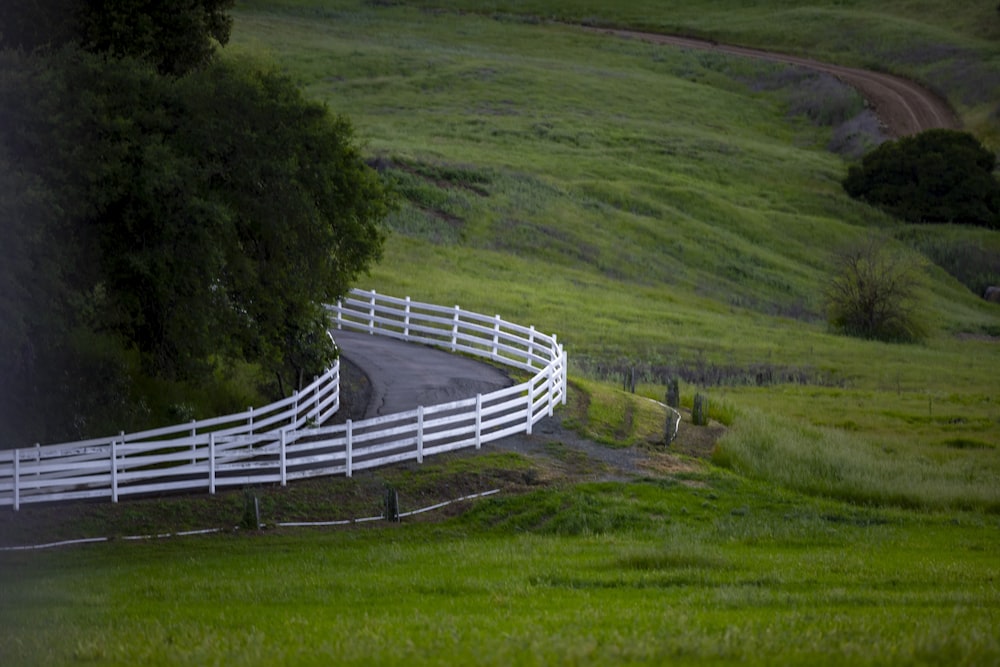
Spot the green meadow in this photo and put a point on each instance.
(662, 211)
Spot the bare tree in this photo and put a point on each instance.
(873, 292)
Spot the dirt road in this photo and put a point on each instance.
(902, 106)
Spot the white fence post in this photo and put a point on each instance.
(371, 314)
(479, 421)
(281, 458)
(454, 329)
(295, 408)
(250, 419)
(406, 320)
(16, 454)
(531, 404)
(550, 389)
(194, 446)
(114, 466)
(420, 434)
(496, 337)
(565, 373)
(347, 446)
(531, 345)
(211, 463)
(340, 314)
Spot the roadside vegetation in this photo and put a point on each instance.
(668, 214)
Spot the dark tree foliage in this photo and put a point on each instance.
(176, 36)
(164, 225)
(935, 176)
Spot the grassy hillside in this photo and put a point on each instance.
(654, 207)
(668, 211)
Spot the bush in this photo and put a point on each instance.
(873, 293)
(934, 176)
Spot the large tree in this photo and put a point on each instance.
(163, 225)
(176, 36)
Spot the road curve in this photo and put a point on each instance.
(903, 107)
(404, 375)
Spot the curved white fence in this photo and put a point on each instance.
(287, 439)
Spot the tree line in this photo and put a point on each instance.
(168, 217)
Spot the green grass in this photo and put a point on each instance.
(657, 209)
(723, 571)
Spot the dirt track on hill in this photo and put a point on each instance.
(902, 106)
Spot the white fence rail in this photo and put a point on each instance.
(287, 439)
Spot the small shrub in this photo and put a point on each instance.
(873, 293)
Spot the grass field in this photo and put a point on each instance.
(657, 209)
(708, 569)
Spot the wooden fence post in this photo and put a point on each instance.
(391, 504)
(699, 411)
(479, 421)
(420, 434)
(674, 393)
(211, 463)
(347, 446)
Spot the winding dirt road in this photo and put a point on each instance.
(902, 106)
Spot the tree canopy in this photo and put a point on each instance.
(163, 226)
(176, 37)
(932, 177)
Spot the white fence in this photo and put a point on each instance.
(287, 440)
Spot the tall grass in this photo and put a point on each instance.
(839, 464)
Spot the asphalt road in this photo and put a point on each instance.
(404, 376)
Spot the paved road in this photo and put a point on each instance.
(406, 375)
